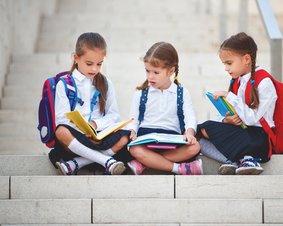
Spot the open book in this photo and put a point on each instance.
(152, 140)
(76, 118)
(223, 106)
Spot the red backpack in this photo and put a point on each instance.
(275, 134)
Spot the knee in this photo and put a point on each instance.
(61, 132)
(137, 152)
(193, 150)
(122, 142)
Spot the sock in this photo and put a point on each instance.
(175, 168)
(208, 149)
(108, 152)
(82, 162)
(93, 155)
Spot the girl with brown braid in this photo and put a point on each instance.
(160, 115)
(78, 149)
(241, 149)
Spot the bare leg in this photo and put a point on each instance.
(150, 158)
(120, 144)
(182, 153)
(205, 135)
(165, 160)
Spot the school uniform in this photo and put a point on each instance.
(85, 91)
(161, 111)
(235, 142)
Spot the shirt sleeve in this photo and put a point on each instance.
(62, 105)
(111, 110)
(267, 99)
(189, 112)
(134, 112)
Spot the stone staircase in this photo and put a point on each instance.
(31, 191)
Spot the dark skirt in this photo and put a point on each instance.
(234, 142)
(144, 131)
(60, 153)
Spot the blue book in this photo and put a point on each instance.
(223, 106)
(219, 104)
(158, 138)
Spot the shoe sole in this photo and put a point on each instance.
(200, 165)
(118, 168)
(249, 171)
(227, 170)
(61, 169)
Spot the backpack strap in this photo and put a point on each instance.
(93, 102)
(71, 91)
(180, 111)
(143, 100)
(259, 76)
(235, 85)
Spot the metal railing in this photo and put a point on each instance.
(274, 35)
(271, 28)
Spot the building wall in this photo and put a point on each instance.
(19, 23)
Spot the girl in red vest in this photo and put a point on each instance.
(240, 149)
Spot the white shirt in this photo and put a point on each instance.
(85, 90)
(267, 99)
(161, 110)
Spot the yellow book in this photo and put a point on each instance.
(76, 118)
(232, 110)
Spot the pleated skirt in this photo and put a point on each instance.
(60, 153)
(234, 142)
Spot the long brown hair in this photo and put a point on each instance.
(164, 55)
(242, 44)
(93, 41)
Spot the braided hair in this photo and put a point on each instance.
(162, 54)
(242, 44)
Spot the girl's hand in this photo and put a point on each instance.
(133, 135)
(232, 119)
(93, 124)
(188, 136)
(218, 94)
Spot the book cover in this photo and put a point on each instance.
(223, 106)
(158, 138)
(76, 118)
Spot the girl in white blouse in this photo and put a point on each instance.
(241, 149)
(161, 116)
(77, 148)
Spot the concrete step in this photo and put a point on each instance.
(19, 116)
(24, 129)
(150, 186)
(154, 211)
(251, 200)
(21, 145)
(139, 224)
(20, 102)
(44, 167)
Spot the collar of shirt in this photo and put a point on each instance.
(171, 89)
(79, 76)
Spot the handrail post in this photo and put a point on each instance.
(243, 18)
(223, 21)
(275, 37)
